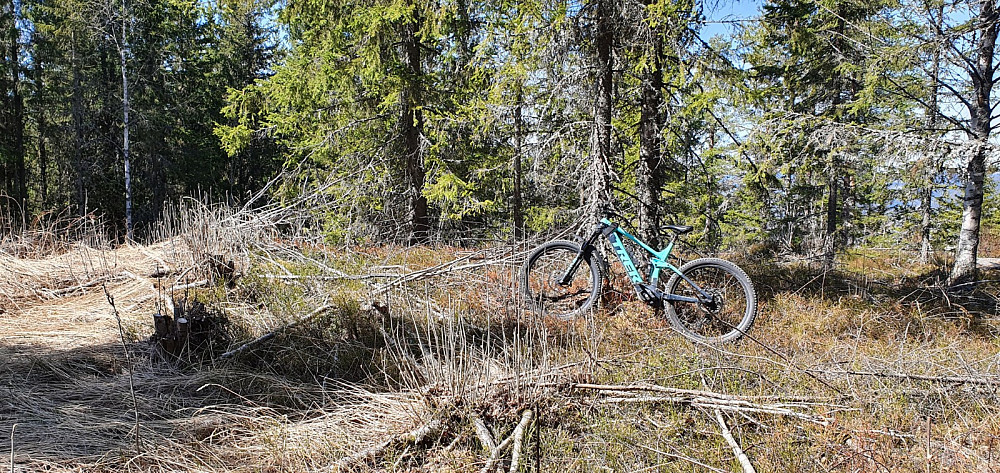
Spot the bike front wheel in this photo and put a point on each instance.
(726, 302)
(541, 280)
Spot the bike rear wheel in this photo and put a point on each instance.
(723, 317)
(542, 273)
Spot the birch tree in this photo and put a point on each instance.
(979, 63)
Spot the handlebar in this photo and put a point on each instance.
(607, 211)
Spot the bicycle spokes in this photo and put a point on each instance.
(559, 280)
(725, 301)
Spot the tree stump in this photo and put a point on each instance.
(192, 331)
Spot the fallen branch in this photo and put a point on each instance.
(701, 399)
(13, 428)
(491, 463)
(438, 270)
(701, 404)
(410, 438)
(87, 285)
(483, 433)
(695, 392)
(340, 277)
(918, 377)
(517, 435)
(444, 268)
(56, 293)
(515, 456)
(275, 332)
(728, 435)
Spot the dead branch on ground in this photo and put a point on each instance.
(737, 450)
(516, 438)
(515, 456)
(412, 437)
(984, 381)
(275, 332)
(625, 394)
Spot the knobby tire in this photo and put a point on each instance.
(545, 266)
(725, 321)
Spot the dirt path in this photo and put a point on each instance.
(64, 387)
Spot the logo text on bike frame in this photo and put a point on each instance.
(625, 257)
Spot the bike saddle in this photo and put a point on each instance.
(679, 229)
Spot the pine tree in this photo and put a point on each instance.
(809, 65)
(12, 148)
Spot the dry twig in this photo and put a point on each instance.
(275, 332)
(918, 377)
(447, 267)
(412, 437)
(12, 429)
(128, 361)
(702, 399)
(728, 435)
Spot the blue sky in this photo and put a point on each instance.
(720, 15)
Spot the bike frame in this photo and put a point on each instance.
(649, 293)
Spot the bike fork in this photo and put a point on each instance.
(585, 249)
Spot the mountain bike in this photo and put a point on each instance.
(707, 299)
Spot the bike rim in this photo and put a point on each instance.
(545, 290)
(715, 319)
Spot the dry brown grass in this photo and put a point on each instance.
(421, 335)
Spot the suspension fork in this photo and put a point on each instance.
(585, 249)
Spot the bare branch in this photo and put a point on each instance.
(412, 437)
(726, 434)
(275, 332)
(518, 435)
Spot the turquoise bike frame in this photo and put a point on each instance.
(647, 291)
(659, 259)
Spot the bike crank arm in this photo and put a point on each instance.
(655, 297)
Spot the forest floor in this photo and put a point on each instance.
(420, 359)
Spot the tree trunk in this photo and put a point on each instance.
(964, 269)
(600, 165)
(6, 111)
(17, 184)
(925, 222)
(77, 112)
(980, 112)
(834, 197)
(830, 238)
(411, 125)
(123, 52)
(516, 202)
(43, 157)
(930, 170)
(650, 173)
